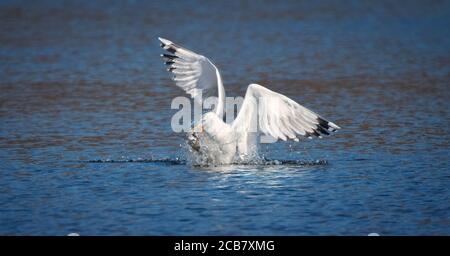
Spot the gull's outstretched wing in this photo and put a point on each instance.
(191, 71)
(279, 116)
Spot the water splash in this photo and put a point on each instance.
(195, 158)
(168, 161)
(178, 161)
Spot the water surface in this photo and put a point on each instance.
(81, 81)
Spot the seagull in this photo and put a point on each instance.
(220, 143)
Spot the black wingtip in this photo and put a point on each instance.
(171, 50)
(322, 130)
(325, 124)
(168, 56)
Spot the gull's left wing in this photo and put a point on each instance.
(191, 71)
(279, 116)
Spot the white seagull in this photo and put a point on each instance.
(221, 143)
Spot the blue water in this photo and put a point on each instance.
(86, 144)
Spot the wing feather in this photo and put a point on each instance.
(279, 116)
(191, 71)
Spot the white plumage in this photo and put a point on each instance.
(263, 112)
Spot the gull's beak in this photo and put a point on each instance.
(198, 128)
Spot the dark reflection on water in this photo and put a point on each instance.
(82, 81)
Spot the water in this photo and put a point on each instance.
(86, 144)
